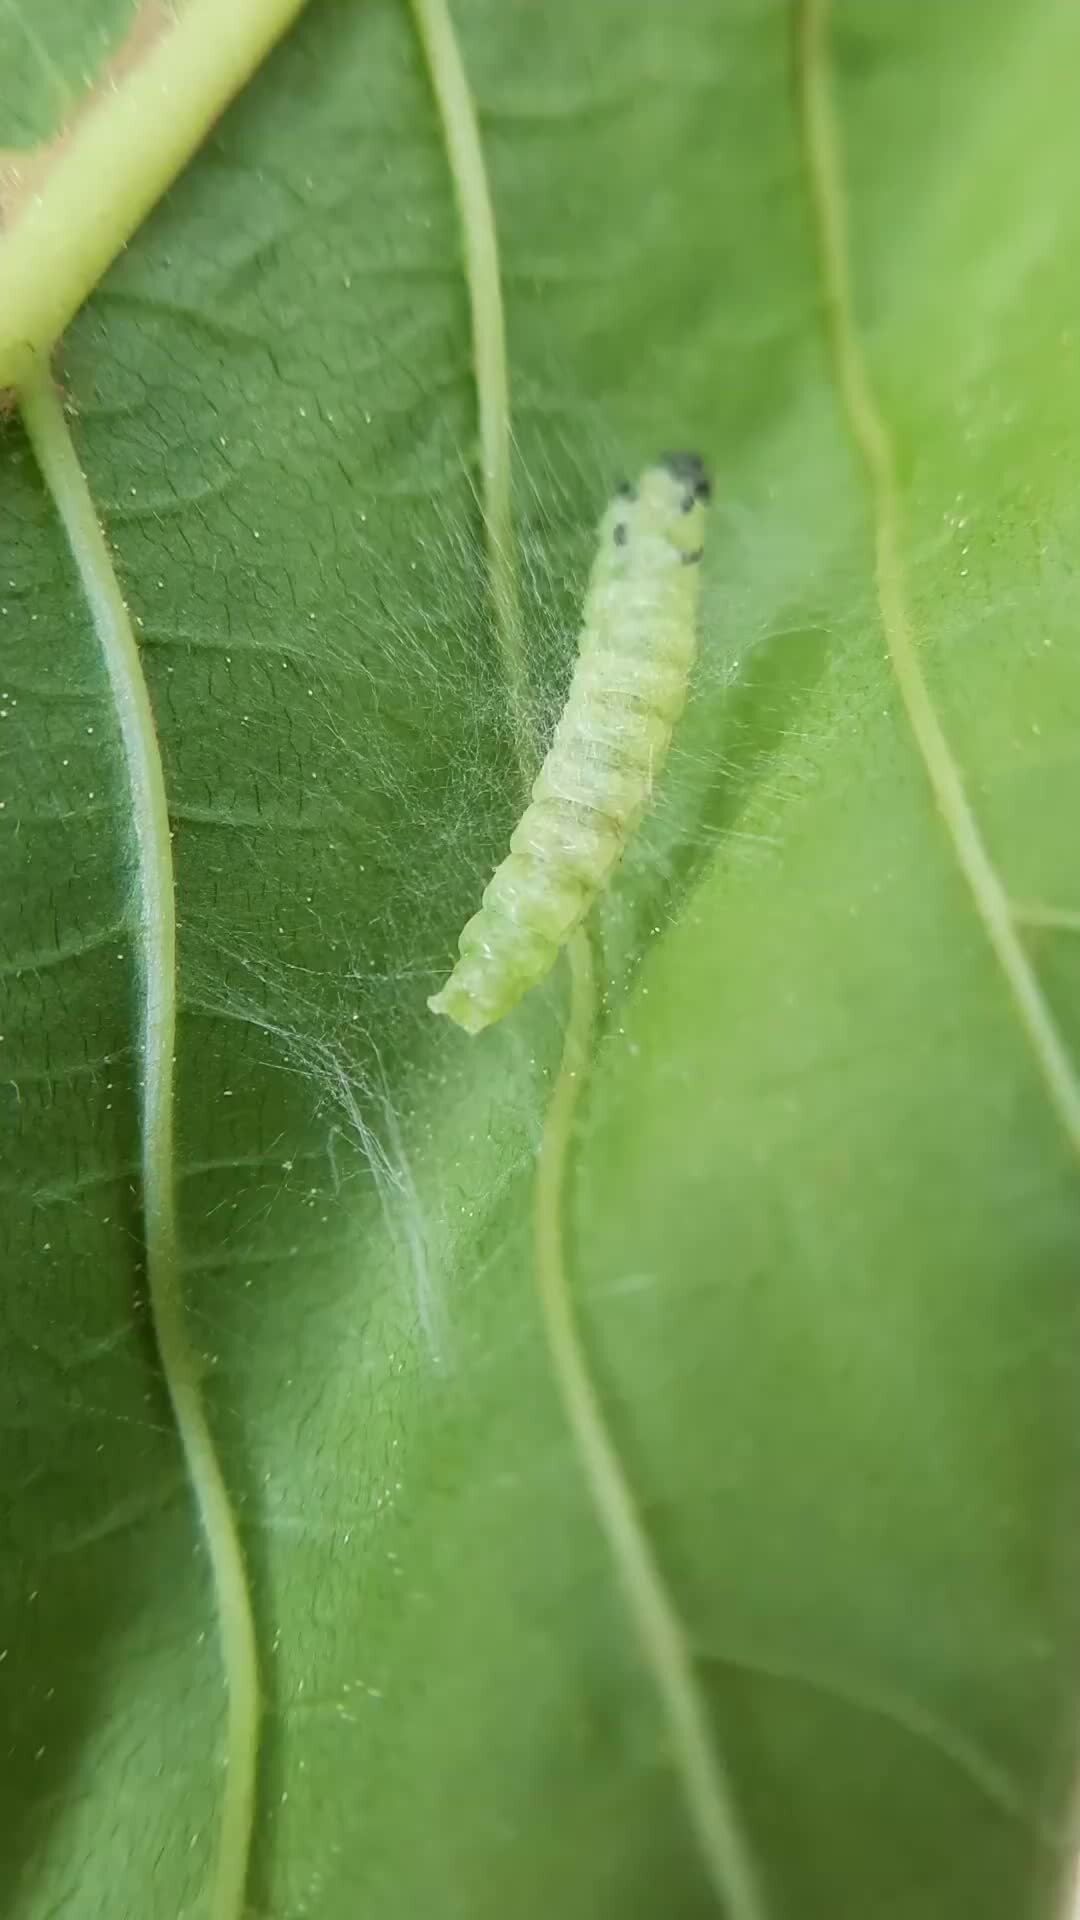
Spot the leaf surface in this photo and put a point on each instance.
(823, 1219)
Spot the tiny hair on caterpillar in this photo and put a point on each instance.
(637, 645)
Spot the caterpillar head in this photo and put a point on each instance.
(667, 504)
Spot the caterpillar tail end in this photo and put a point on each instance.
(499, 961)
(459, 1006)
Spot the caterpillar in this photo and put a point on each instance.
(638, 640)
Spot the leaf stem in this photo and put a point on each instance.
(108, 170)
(154, 890)
(465, 157)
(660, 1631)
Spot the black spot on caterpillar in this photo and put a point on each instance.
(691, 468)
(638, 640)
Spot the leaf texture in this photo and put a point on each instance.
(821, 1214)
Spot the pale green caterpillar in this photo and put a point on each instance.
(638, 640)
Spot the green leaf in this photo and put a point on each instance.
(821, 1213)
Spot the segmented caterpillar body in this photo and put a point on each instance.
(639, 636)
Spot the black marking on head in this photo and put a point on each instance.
(691, 468)
(691, 559)
(621, 534)
(626, 490)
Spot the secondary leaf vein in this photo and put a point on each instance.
(660, 1632)
(453, 97)
(871, 435)
(51, 440)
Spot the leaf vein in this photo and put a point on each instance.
(870, 433)
(968, 1756)
(50, 438)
